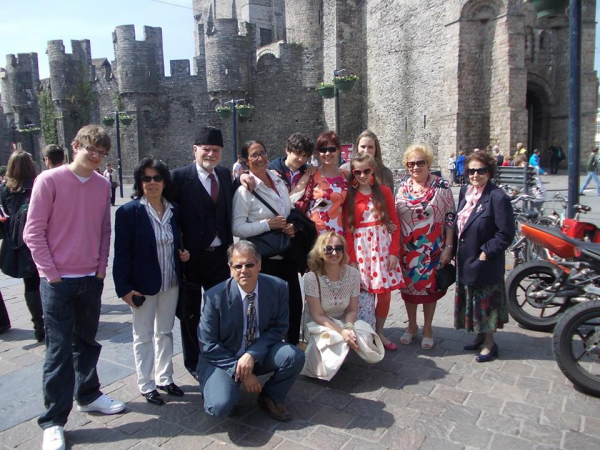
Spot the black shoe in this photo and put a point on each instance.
(474, 346)
(172, 389)
(581, 193)
(277, 412)
(39, 332)
(491, 355)
(154, 398)
(4, 328)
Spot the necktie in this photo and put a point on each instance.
(251, 322)
(214, 187)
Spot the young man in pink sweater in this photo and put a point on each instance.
(68, 233)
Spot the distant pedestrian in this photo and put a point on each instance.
(496, 154)
(556, 156)
(520, 149)
(534, 161)
(592, 170)
(111, 176)
(460, 167)
(238, 168)
(54, 156)
(452, 168)
(72, 262)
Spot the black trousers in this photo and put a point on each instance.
(113, 194)
(286, 270)
(206, 270)
(4, 319)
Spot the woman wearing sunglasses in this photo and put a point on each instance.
(147, 273)
(425, 208)
(330, 186)
(372, 249)
(485, 227)
(332, 288)
(252, 217)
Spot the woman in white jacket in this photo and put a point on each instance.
(252, 217)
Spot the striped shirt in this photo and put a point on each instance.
(165, 250)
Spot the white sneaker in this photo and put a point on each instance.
(54, 438)
(103, 404)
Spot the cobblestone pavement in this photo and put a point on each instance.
(414, 399)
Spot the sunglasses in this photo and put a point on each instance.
(148, 178)
(411, 164)
(239, 267)
(480, 171)
(329, 249)
(324, 150)
(358, 173)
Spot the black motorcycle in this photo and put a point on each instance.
(576, 339)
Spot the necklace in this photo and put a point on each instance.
(421, 189)
(334, 286)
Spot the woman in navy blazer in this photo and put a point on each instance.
(147, 274)
(485, 228)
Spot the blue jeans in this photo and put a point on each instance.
(591, 176)
(221, 393)
(71, 314)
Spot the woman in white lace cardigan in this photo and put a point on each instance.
(332, 288)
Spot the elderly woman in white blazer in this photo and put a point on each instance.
(251, 217)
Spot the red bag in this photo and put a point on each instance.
(304, 203)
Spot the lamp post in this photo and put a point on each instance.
(120, 116)
(574, 104)
(337, 72)
(234, 113)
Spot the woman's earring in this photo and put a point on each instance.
(372, 180)
(354, 183)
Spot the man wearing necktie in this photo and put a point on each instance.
(244, 322)
(204, 192)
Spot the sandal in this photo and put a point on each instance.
(407, 338)
(427, 343)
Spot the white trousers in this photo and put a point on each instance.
(153, 339)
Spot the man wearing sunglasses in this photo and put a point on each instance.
(244, 322)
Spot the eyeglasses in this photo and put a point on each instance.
(329, 249)
(148, 178)
(358, 173)
(480, 171)
(239, 267)
(96, 152)
(324, 150)
(256, 156)
(411, 164)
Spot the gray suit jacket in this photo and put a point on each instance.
(222, 323)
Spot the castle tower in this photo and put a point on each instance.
(228, 57)
(69, 71)
(303, 26)
(140, 64)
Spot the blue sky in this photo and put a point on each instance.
(27, 25)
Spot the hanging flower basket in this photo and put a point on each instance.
(125, 120)
(108, 121)
(326, 90)
(346, 83)
(224, 113)
(549, 8)
(244, 110)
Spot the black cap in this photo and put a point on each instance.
(209, 136)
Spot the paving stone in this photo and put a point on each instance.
(537, 432)
(427, 406)
(449, 394)
(467, 370)
(566, 389)
(227, 431)
(367, 408)
(403, 439)
(360, 444)
(332, 417)
(368, 428)
(21, 433)
(158, 432)
(303, 410)
(305, 391)
(325, 438)
(389, 366)
(259, 438)
(495, 376)
(461, 413)
(580, 441)
(295, 430)
(502, 442)
(333, 398)
(470, 435)
(591, 426)
(508, 392)
(259, 419)
(397, 398)
(534, 384)
(417, 386)
(133, 422)
(562, 420)
(433, 426)
(581, 407)
(485, 402)
(439, 444)
(289, 445)
(518, 368)
(522, 411)
(499, 424)
(115, 440)
(200, 421)
(474, 385)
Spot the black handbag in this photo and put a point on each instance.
(271, 243)
(188, 292)
(445, 276)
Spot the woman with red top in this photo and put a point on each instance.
(372, 249)
(425, 208)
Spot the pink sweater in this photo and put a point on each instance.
(68, 224)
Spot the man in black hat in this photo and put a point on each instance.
(203, 190)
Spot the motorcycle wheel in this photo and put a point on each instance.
(530, 277)
(576, 344)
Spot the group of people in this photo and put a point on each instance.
(177, 233)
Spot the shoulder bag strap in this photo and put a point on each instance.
(263, 201)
